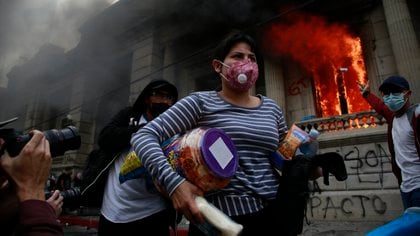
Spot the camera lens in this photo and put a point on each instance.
(60, 141)
(71, 193)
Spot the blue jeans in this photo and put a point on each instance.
(411, 199)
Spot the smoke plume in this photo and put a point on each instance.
(26, 25)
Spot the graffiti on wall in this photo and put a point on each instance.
(371, 158)
(296, 87)
(348, 206)
(359, 160)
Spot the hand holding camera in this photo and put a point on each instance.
(56, 201)
(30, 168)
(60, 140)
(26, 158)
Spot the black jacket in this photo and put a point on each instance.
(113, 139)
(116, 135)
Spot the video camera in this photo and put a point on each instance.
(61, 140)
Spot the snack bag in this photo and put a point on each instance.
(294, 138)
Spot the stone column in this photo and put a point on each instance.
(146, 62)
(404, 43)
(274, 83)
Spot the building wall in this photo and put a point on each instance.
(378, 54)
(371, 191)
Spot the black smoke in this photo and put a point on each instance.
(26, 25)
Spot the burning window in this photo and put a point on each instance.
(329, 53)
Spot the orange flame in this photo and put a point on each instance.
(322, 49)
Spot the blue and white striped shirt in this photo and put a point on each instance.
(256, 133)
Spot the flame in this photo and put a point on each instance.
(322, 49)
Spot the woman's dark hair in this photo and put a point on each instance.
(235, 36)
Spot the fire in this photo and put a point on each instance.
(330, 53)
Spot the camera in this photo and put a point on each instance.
(70, 194)
(71, 197)
(61, 140)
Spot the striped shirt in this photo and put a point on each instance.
(255, 132)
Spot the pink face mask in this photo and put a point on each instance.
(241, 75)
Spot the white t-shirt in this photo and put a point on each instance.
(406, 154)
(131, 200)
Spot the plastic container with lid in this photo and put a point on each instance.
(206, 157)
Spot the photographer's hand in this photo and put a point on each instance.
(56, 201)
(29, 170)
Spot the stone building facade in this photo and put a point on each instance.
(133, 42)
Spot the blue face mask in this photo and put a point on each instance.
(394, 101)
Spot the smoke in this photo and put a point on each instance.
(235, 11)
(26, 25)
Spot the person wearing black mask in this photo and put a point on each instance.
(134, 205)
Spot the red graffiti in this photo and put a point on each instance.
(295, 87)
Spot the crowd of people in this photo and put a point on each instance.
(256, 125)
(66, 180)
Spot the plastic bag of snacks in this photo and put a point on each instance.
(294, 138)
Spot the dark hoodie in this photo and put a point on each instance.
(113, 139)
(116, 135)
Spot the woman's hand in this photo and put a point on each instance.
(183, 200)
